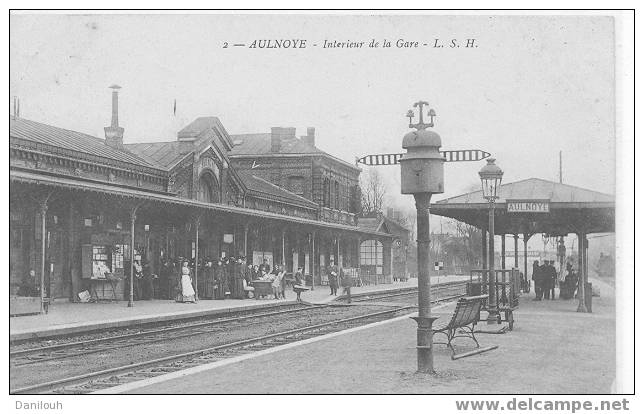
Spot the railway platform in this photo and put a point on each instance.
(552, 350)
(71, 318)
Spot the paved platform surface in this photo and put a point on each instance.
(65, 317)
(552, 350)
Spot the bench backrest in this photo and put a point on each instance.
(467, 311)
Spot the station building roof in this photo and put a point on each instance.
(162, 154)
(32, 132)
(250, 145)
(259, 186)
(571, 209)
(253, 144)
(158, 156)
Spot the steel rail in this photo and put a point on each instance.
(95, 347)
(134, 366)
(161, 331)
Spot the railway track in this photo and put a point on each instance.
(456, 288)
(107, 378)
(147, 336)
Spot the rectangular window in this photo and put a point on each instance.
(99, 253)
(118, 255)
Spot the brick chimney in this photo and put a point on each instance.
(280, 134)
(309, 138)
(114, 133)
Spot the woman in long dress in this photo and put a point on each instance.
(187, 293)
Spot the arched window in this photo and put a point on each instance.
(207, 190)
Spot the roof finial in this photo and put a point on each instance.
(421, 125)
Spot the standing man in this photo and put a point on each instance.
(552, 273)
(147, 288)
(346, 281)
(538, 280)
(332, 272)
(545, 279)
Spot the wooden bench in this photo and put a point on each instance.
(462, 322)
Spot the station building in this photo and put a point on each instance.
(77, 200)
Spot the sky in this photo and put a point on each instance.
(533, 86)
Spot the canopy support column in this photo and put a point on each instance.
(283, 250)
(492, 305)
(516, 251)
(130, 301)
(313, 261)
(581, 289)
(43, 242)
(197, 222)
(503, 251)
(338, 253)
(526, 237)
(246, 242)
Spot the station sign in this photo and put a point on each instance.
(528, 206)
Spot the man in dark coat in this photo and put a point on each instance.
(537, 277)
(332, 272)
(238, 283)
(221, 280)
(551, 279)
(147, 284)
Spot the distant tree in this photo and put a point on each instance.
(373, 191)
(470, 238)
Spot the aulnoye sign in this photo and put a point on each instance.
(528, 206)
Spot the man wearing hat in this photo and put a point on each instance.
(147, 284)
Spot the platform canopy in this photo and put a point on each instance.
(535, 206)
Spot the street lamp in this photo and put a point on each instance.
(422, 175)
(491, 176)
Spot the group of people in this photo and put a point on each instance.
(224, 278)
(568, 287)
(545, 279)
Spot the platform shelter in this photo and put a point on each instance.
(534, 206)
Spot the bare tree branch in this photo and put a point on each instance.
(373, 192)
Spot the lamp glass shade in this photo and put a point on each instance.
(491, 176)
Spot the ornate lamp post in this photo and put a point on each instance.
(491, 176)
(422, 175)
